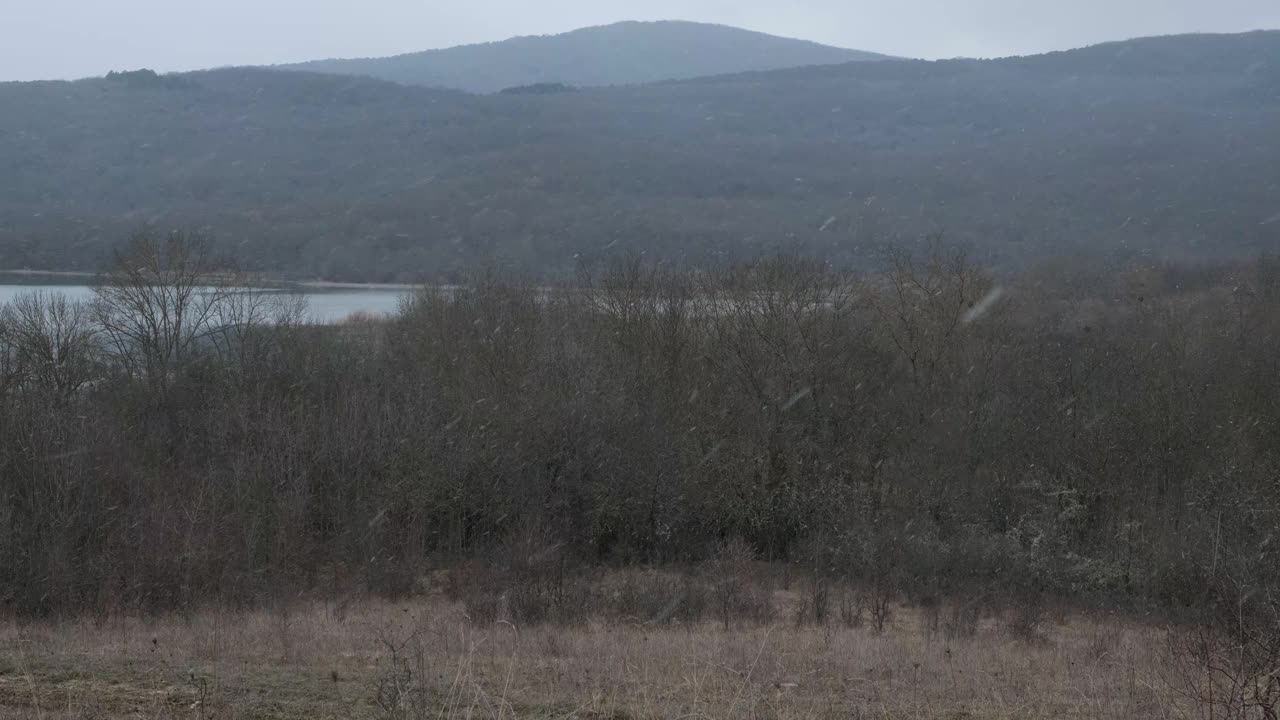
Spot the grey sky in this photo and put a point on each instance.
(76, 38)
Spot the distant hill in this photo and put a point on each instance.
(620, 54)
(1157, 148)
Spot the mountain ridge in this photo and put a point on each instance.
(1112, 153)
(624, 53)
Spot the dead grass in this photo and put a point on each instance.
(321, 661)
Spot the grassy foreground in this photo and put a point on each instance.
(424, 659)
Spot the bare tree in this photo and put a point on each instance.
(53, 342)
(1228, 661)
(160, 301)
(239, 327)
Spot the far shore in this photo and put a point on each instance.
(331, 285)
(304, 284)
(48, 273)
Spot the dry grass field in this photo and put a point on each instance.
(424, 659)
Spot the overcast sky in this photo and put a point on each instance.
(76, 38)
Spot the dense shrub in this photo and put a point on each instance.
(906, 434)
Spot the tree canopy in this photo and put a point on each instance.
(1163, 147)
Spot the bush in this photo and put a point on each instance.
(659, 598)
(963, 618)
(1027, 618)
(864, 428)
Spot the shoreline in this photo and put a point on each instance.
(334, 285)
(300, 284)
(49, 273)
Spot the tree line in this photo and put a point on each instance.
(1097, 434)
(1152, 148)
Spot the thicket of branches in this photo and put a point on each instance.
(1101, 435)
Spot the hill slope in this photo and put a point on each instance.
(1161, 148)
(620, 54)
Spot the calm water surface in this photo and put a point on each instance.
(322, 305)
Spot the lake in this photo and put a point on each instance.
(323, 305)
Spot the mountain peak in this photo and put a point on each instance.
(623, 53)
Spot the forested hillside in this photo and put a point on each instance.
(620, 54)
(1164, 147)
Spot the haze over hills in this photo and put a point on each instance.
(620, 54)
(1162, 147)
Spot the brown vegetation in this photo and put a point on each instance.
(425, 659)
(920, 431)
(923, 440)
